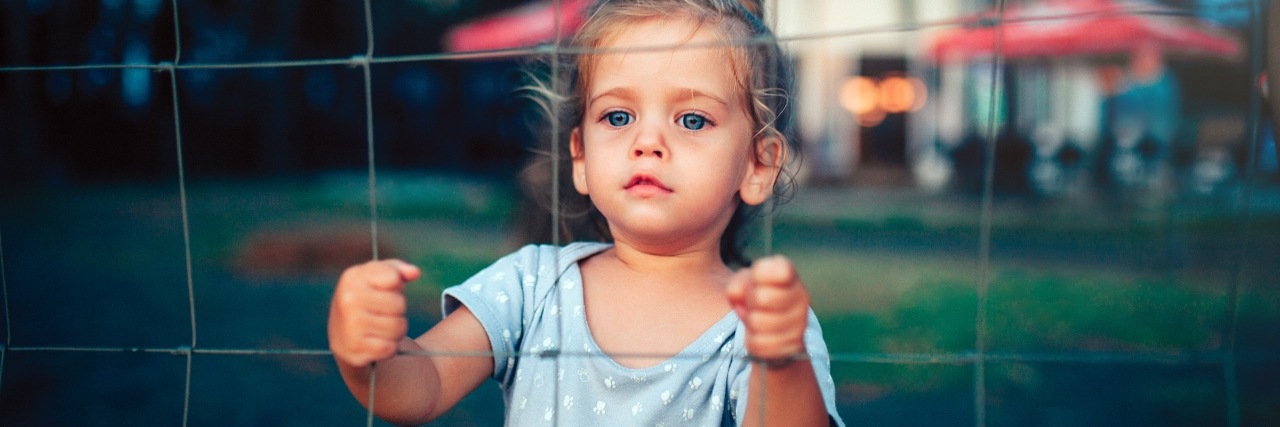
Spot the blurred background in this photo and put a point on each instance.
(1030, 212)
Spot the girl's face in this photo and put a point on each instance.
(666, 148)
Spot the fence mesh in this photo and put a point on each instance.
(1018, 351)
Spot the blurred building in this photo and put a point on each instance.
(881, 98)
(88, 103)
(856, 90)
(1086, 95)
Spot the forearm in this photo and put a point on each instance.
(790, 396)
(408, 387)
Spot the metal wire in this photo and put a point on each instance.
(1244, 202)
(369, 58)
(8, 328)
(1189, 358)
(1227, 356)
(984, 237)
(182, 198)
(555, 192)
(364, 64)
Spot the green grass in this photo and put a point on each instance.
(871, 299)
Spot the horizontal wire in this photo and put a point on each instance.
(948, 358)
(177, 351)
(1190, 358)
(543, 49)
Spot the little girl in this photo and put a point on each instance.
(672, 147)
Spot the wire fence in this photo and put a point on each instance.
(1225, 357)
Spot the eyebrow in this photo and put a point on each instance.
(629, 94)
(617, 92)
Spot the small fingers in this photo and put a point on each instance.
(775, 347)
(389, 275)
(376, 350)
(739, 287)
(774, 310)
(776, 322)
(774, 271)
(385, 303)
(737, 291)
(408, 272)
(368, 338)
(778, 285)
(385, 327)
(384, 275)
(774, 336)
(367, 319)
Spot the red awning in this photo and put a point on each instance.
(1063, 28)
(523, 26)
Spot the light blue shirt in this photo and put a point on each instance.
(553, 373)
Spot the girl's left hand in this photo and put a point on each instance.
(773, 304)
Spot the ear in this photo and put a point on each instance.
(762, 170)
(579, 161)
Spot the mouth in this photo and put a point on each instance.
(642, 181)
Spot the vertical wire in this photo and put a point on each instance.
(554, 114)
(373, 383)
(764, 383)
(364, 63)
(767, 225)
(770, 21)
(1244, 202)
(984, 238)
(556, 39)
(8, 329)
(182, 200)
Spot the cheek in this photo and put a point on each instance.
(729, 175)
(595, 166)
(746, 158)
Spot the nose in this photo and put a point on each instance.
(649, 141)
(641, 152)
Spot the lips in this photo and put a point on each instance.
(645, 182)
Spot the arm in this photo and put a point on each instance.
(774, 307)
(367, 324)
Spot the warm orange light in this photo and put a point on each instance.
(870, 100)
(859, 95)
(896, 95)
(902, 94)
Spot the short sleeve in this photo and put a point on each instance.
(510, 295)
(495, 296)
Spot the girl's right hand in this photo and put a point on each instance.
(367, 317)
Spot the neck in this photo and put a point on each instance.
(700, 260)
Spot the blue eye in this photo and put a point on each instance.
(693, 121)
(618, 118)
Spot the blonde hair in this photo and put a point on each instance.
(758, 69)
(741, 30)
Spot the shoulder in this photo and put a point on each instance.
(561, 256)
(548, 254)
(530, 271)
